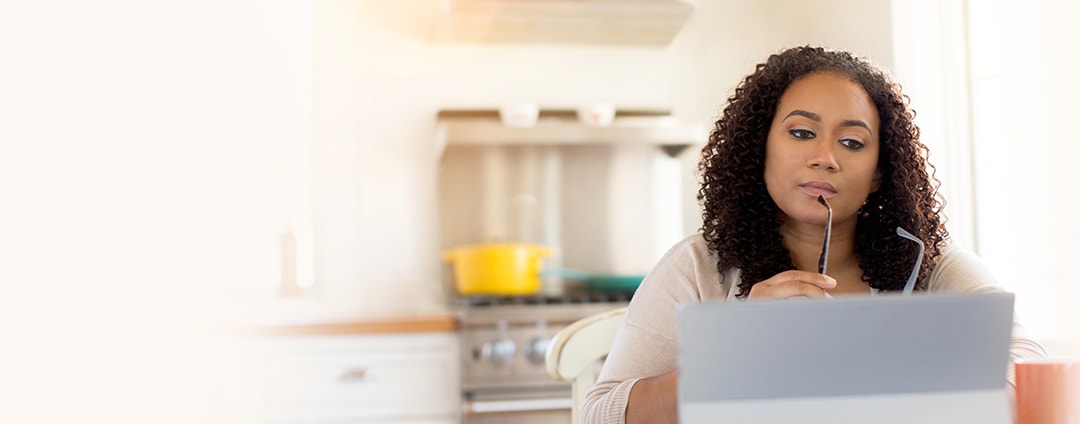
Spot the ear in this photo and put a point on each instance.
(876, 183)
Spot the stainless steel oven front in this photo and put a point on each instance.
(504, 344)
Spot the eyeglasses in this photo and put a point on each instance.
(918, 260)
(823, 259)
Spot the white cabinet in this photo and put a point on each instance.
(397, 378)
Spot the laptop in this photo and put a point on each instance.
(924, 358)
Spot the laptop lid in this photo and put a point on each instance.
(888, 358)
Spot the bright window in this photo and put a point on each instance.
(995, 86)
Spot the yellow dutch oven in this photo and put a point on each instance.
(497, 268)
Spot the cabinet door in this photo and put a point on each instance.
(403, 378)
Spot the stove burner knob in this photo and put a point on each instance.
(499, 351)
(536, 350)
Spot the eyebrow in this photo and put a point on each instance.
(816, 117)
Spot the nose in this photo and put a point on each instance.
(821, 157)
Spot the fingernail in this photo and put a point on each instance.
(827, 296)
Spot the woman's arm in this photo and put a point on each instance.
(645, 349)
(639, 376)
(639, 380)
(654, 400)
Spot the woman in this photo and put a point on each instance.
(807, 123)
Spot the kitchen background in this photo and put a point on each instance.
(156, 158)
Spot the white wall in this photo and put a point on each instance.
(140, 175)
(1024, 97)
(379, 84)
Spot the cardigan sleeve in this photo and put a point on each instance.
(646, 343)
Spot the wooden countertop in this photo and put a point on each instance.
(357, 326)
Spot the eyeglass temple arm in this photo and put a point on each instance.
(910, 286)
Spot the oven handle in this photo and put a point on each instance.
(501, 406)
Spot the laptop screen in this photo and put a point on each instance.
(844, 347)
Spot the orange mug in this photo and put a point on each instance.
(1048, 391)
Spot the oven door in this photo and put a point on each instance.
(519, 407)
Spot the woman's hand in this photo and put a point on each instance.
(793, 283)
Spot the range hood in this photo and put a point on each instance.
(628, 22)
(480, 127)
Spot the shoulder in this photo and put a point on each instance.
(695, 245)
(689, 254)
(687, 273)
(960, 270)
(690, 269)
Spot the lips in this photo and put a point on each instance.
(818, 188)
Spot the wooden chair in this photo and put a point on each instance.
(577, 352)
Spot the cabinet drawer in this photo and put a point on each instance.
(360, 376)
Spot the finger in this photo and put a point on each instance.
(799, 288)
(823, 281)
(785, 289)
(793, 283)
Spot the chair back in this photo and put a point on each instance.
(577, 352)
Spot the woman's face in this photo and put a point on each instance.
(822, 141)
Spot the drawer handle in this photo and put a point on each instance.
(354, 375)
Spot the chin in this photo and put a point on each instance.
(806, 217)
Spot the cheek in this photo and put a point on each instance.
(875, 171)
(770, 181)
(773, 167)
(776, 156)
(869, 178)
(783, 162)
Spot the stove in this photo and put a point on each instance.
(504, 343)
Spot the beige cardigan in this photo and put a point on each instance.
(646, 344)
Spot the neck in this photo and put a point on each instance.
(803, 241)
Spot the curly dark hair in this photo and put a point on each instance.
(740, 220)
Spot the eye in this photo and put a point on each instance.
(852, 144)
(802, 134)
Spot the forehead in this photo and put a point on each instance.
(830, 95)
